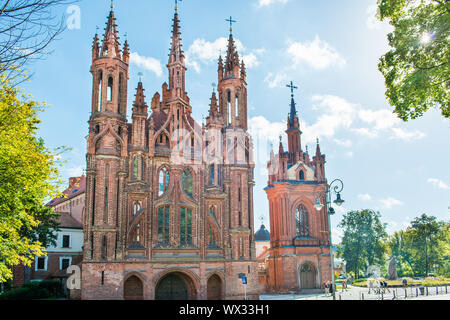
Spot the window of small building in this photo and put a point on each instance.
(66, 241)
(65, 263)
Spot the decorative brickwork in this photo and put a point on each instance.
(169, 206)
(299, 254)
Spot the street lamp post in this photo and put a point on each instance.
(337, 189)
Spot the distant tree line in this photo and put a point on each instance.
(421, 250)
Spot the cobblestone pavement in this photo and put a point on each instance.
(358, 293)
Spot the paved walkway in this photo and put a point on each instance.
(358, 293)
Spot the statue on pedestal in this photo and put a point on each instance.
(393, 269)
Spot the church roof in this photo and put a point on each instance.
(67, 221)
(262, 234)
(77, 186)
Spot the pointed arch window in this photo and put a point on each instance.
(302, 221)
(212, 237)
(211, 173)
(110, 89)
(119, 100)
(237, 107)
(100, 90)
(185, 226)
(135, 168)
(136, 208)
(164, 179)
(229, 106)
(301, 175)
(163, 224)
(187, 181)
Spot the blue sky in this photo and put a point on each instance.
(330, 49)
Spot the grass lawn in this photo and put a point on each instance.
(411, 282)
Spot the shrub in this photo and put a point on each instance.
(34, 290)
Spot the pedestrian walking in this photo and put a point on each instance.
(370, 285)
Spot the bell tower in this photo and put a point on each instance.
(232, 86)
(107, 146)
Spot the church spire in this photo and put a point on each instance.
(111, 46)
(176, 51)
(232, 60)
(176, 65)
(293, 130)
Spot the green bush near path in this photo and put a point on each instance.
(34, 290)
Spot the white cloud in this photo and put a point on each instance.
(264, 134)
(364, 197)
(405, 135)
(390, 202)
(75, 171)
(317, 54)
(438, 183)
(206, 52)
(338, 114)
(366, 132)
(275, 80)
(265, 3)
(385, 120)
(349, 154)
(147, 63)
(382, 119)
(345, 143)
(372, 22)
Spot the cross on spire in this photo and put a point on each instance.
(214, 87)
(231, 21)
(292, 88)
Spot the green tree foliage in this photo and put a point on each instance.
(422, 248)
(28, 176)
(417, 69)
(363, 241)
(424, 240)
(397, 246)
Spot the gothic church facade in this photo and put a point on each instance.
(169, 202)
(299, 253)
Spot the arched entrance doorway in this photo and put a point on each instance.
(133, 289)
(308, 275)
(175, 286)
(214, 288)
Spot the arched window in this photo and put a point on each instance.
(100, 90)
(163, 224)
(187, 181)
(135, 168)
(212, 238)
(302, 222)
(211, 174)
(164, 179)
(110, 89)
(229, 106)
(237, 107)
(162, 140)
(137, 207)
(302, 175)
(185, 226)
(119, 100)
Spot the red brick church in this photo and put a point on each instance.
(169, 202)
(299, 254)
